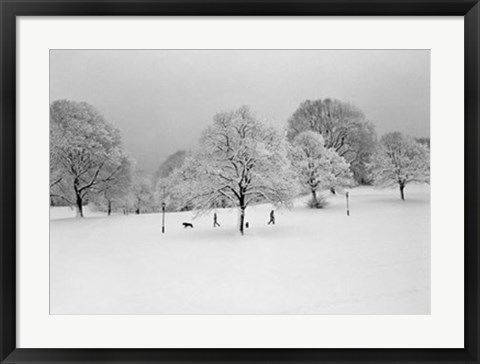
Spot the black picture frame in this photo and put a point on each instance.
(10, 9)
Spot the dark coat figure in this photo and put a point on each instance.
(272, 218)
(215, 222)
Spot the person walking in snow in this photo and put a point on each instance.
(272, 218)
(215, 222)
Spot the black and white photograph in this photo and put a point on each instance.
(240, 182)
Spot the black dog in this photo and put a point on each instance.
(187, 224)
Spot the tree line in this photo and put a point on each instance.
(240, 160)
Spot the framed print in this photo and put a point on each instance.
(239, 182)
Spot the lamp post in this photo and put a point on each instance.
(348, 208)
(163, 217)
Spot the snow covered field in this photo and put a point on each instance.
(376, 261)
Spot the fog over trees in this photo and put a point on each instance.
(173, 162)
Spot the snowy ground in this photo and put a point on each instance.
(376, 261)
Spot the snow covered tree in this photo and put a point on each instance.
(424, 140)
(85, 152)
(240, 159)
(316, 166)
(111, 195)
(400, 160)
(343, 128)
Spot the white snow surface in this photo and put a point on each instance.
(375, 261)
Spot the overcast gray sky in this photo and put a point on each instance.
(161, 100)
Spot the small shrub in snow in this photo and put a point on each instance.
(317, 203)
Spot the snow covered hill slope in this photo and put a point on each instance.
(375, 261)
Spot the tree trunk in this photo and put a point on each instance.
(109, 208)
(79, 199)
(79, 206)
(402, 186)
(314, 197)
(242, 219)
